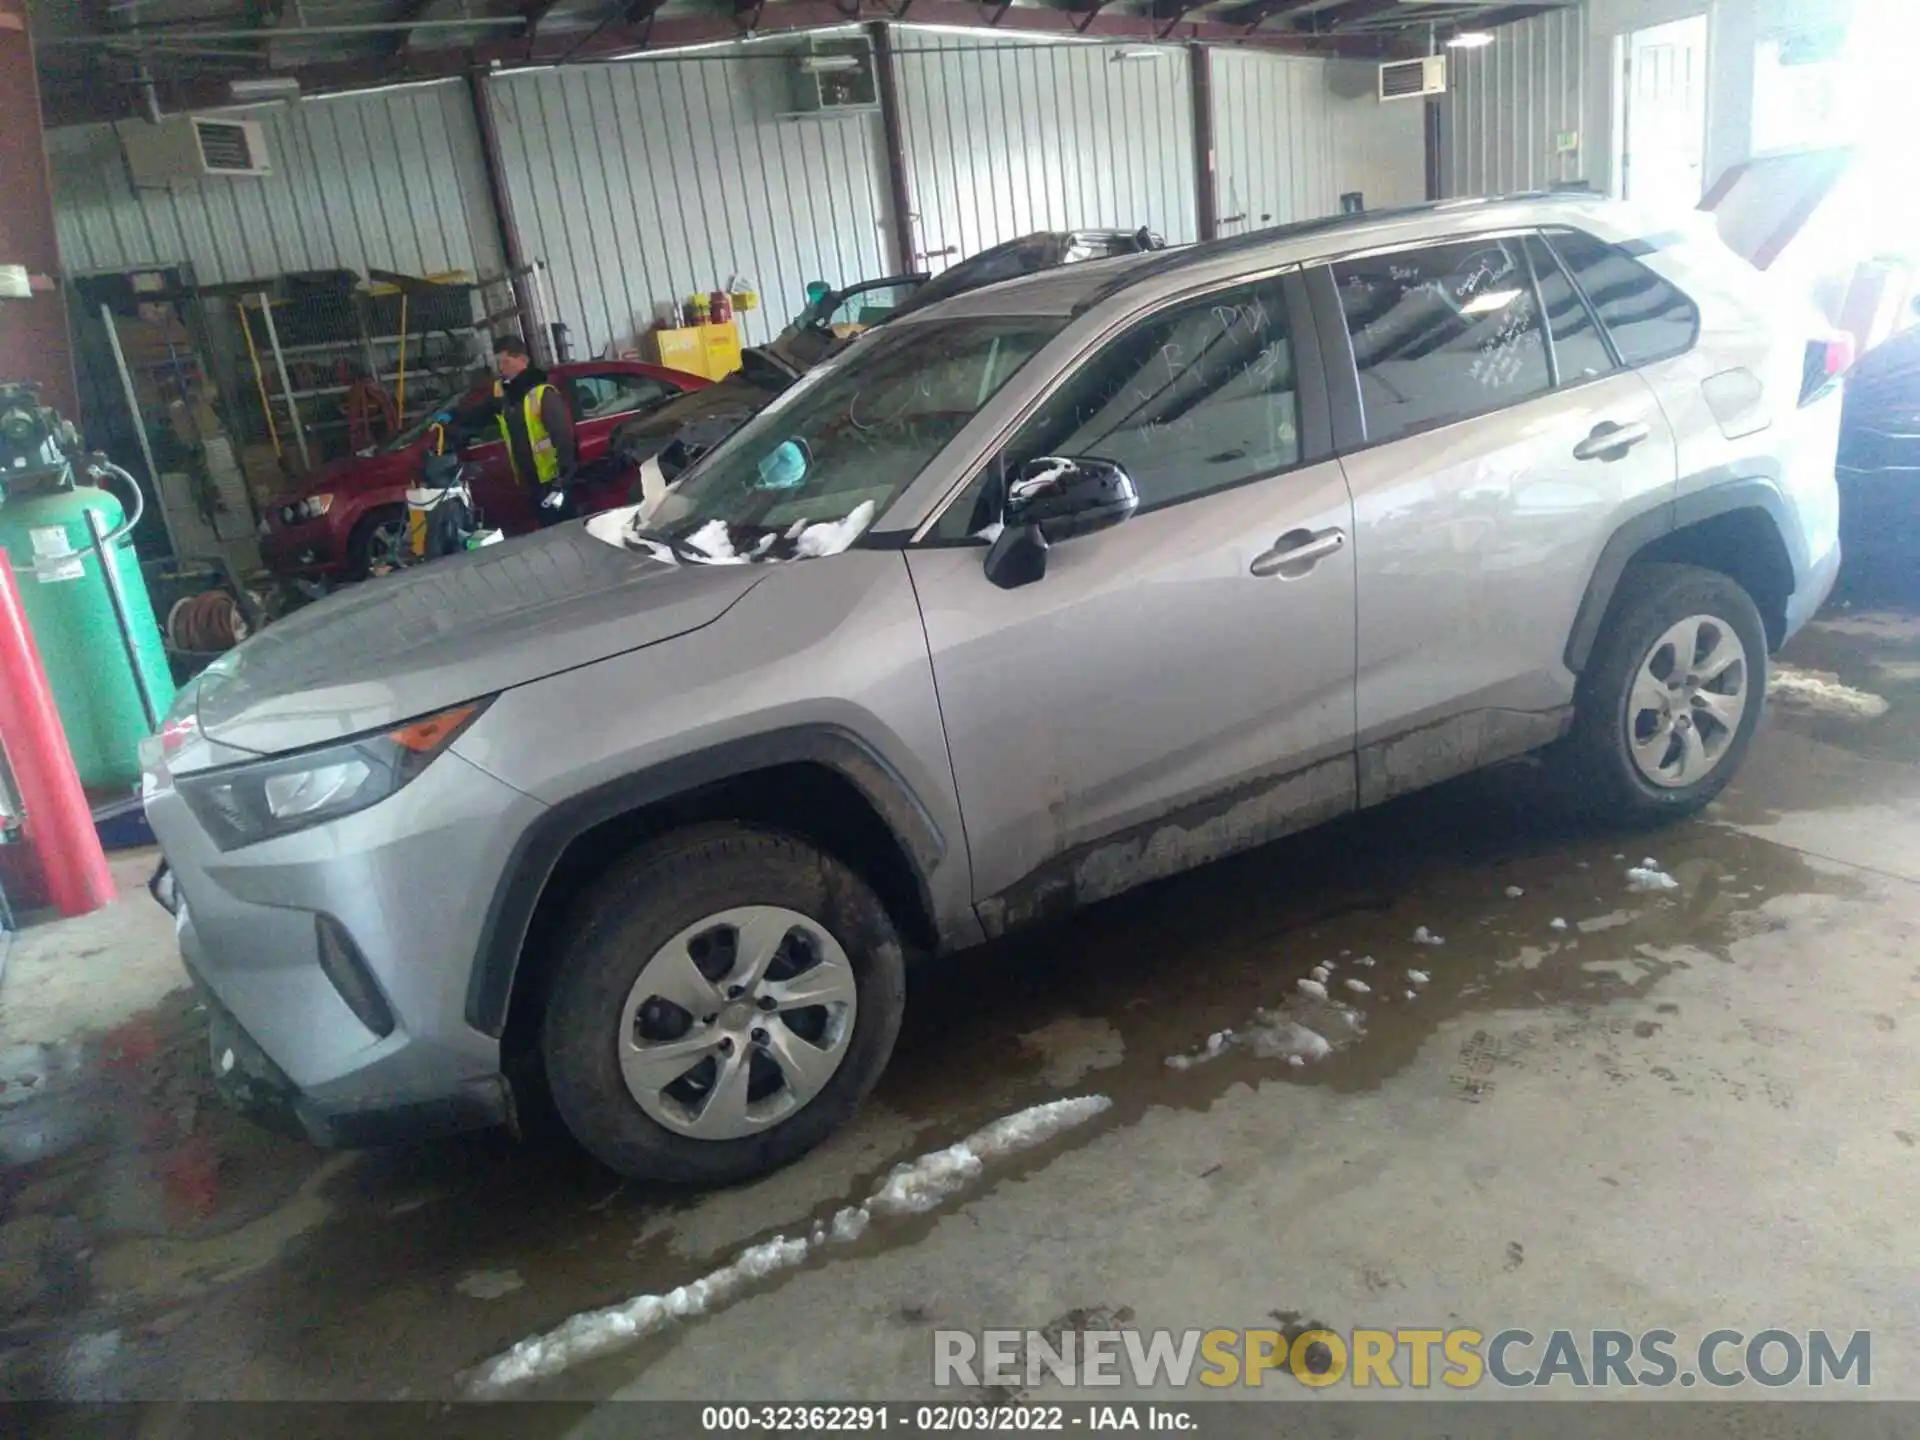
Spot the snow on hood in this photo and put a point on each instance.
(811, 539)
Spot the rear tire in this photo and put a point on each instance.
(640, 1079)
(1668, 702)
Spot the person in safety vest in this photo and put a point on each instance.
(536, 424)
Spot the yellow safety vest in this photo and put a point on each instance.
(546, 463)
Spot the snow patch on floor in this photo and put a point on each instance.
(595, 1332)
(1821, 692)
(912, 1188)
(1557, 923)
(489, 1284)
(1314, 988)
(1514, 892)
(1321, 973)
(1424, 936)
(1359, 987)
(851, 1223)
(1280, 1038)
(920, 1185)
(1647, 877)
(1418, 977)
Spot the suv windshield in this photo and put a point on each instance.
(810, 473)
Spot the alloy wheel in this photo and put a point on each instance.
(386, 543)
(1688, 698)
(737, 1022)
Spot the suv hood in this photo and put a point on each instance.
(397, 648)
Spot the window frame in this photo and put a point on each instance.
(1311, 389)
(1625, 248)
(1586, 304)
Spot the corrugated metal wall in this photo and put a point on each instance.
(1292, 135)
(644, 181)
(1006, 138)
(392, 179)
(639, 182)
(1507, 103)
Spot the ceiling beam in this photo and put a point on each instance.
(1261, 11)
(412, 10)
(788, 15)
(67, 104)
(1510, 14)
(1354, 12)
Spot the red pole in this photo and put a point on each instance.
(58, 821)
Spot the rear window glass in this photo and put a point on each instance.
(1579, 351)
(1648, 318)
(1442, 333)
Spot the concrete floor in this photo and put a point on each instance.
(1687, 1110)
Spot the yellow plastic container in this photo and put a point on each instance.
(712, 351)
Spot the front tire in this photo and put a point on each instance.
(379, 539)
(726, 998)
(1670, 697)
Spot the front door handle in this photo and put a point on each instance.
(1610, 441)
(1297, 552)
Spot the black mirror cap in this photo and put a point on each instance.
(1070, 495)
(1018, 557)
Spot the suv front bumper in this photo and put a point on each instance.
(410, 881)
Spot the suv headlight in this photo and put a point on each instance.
(245, 804)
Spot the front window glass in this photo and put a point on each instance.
(809, 474)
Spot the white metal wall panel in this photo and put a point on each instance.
(392, 179)
(1004, 138)
(1507, 103)
(641, 182)
(1292, 135)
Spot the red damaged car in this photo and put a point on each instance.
(351, 514)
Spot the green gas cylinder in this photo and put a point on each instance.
(70, 609)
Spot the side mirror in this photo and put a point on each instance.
(1056, 498)
(1068, 496)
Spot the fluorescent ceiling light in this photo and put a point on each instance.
(265, 87)
(1471, 40)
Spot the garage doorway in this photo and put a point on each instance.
(1660, 93)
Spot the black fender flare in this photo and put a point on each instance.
(539, 848)
(1749, 491)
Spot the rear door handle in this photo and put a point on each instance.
(1610, 441)
(1297, 552)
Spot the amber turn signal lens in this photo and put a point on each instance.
(424, 737)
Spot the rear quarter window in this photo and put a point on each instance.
(1648, 317)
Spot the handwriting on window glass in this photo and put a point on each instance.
(1503, 357)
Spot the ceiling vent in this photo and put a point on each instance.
(1413, 79)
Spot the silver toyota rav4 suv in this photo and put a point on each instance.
(1036, 595)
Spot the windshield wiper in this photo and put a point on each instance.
(637, 536)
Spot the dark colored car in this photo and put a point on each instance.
(679, 433)
(1879, 462)
(351, 514)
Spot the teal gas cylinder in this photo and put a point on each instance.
(70, 610)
